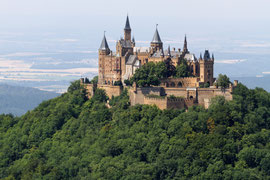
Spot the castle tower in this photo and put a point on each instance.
(127, 30)
(207, 68)
(185, 48)
(103, 51)
(156, 43)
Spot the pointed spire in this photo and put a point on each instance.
(127, 26)
(156, 38)
(185, 49)
(206, 55)
(213, 56)
(104, 45)
(162, 52)
(200, 55)
(133, 39)
(169, 51)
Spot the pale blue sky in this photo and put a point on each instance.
(59, 12)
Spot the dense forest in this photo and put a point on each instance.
(72, 137)
(18, 100)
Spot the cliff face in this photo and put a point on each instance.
(73, 137)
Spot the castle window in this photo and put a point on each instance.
(179, 84)
(109, 82)
(172, 84)
(191, 97)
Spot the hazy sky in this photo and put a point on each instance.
(58, 12)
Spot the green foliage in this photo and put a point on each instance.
(71, 137)
(118, 83)
(127, 82)
(223, 81)
(94, 80)
(182, 70)
(155, 96)
(100, 95)
(150, 73)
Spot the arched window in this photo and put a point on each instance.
(105, 82)
(191, 97)
(179, 84)
(172, 84)
(109, 82)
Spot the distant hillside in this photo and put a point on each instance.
(18, 100)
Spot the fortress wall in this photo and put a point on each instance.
(111, 90)
(160, 103)
(89, 89)
(206, 94)
(176, 91)
(185, 82)
(137, 96)
(178, 103)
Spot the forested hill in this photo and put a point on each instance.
(70, 137)
(18, 100)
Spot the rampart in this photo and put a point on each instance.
(180, 82)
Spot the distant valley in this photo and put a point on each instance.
(18, 100)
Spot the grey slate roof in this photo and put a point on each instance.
(131, 60)
(156, 38)
(158, 54)
(104, 45)
(125, 43)
(190, 57)
(206, 55)
(127, 26)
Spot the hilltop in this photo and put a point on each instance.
(72, 137)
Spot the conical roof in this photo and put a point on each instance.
(156, 38)
(169, 51)
(127, 26)
(104, 45)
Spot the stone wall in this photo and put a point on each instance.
(177, 103)
(161, 103)
(111, 90)
(180, 82)
(204, 95)
(189, 96)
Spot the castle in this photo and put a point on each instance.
(115, 67)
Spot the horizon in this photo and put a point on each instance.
(57, 41)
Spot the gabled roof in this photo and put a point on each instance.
(131, 60)
(104, 45)
(127, 26)
(156, 38)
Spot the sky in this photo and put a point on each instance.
(37, 35)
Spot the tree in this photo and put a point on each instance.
(182, 70)
(94, 80)
(223, 81)
(149, 74)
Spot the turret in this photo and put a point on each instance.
(206, 68)
(104, 47)
(156, 43)
(185, 48)
(127, 30)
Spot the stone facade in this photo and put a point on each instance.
(121, 64)
(173, 92)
